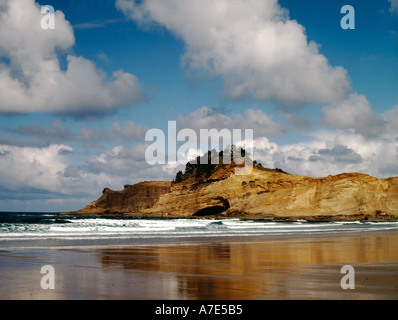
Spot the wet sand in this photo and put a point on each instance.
(219, 269)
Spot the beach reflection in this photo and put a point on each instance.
(296, 269)
(301, 268)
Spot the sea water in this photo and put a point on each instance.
(49, 228)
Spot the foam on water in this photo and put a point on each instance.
(30, 227)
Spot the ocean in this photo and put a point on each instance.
(28, 228)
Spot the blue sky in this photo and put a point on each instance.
(321, 100)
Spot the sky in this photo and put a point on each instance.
(76, 101)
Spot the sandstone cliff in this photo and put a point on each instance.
(133, 199)
(261, 194)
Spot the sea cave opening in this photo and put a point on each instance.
(214, 210)
(209, 211)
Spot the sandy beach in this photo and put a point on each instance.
(221, 269)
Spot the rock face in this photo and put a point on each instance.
(261, 194)
(133, 199)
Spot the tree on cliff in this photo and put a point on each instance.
(178, 177)
(205, 166)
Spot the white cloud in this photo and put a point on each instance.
(36, 168)
(48, 172)
(125, 165)
(251, 44)
(31, 79)
(354, 113)
(359, 140)
(391, 119)
(332, 152)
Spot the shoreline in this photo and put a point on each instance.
(183, 240)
